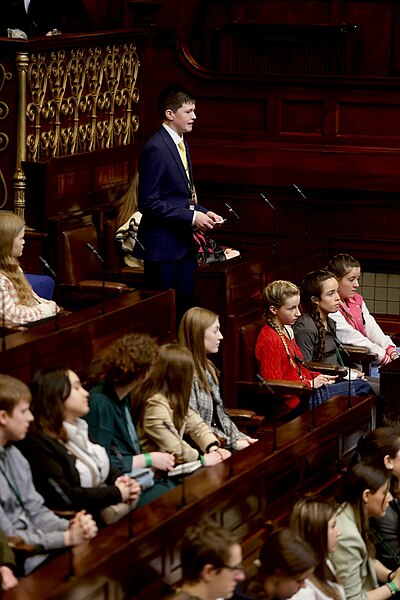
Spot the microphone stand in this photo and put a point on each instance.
(313, 420)
(103, 276)
(232, 212)
(183, 502)
(54, 274)
(273, 222)
(305, 210)
(343, 349)
(270, 391)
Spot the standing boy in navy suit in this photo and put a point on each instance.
(167, 200)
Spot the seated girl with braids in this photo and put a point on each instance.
(315, 331)
(277, 353)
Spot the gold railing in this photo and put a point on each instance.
(81, 99)
(66, 95)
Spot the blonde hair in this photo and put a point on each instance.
(128, 204)
(275, 295)
(191, 335)
(10, 226)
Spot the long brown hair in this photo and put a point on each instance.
(341, 264)
(312, 287)
(309, 519)
(50, 389)
(355, 481)
(10, 226)
(191, 335)
(171, 376)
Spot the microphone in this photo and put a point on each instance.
(172, 429)
(270, 391)
(60, 491)
(94, 251)
(305, 209)
(48, 267)
(230, 209)
(54, 274)
(137, 241)
(103, 282)
(299, 190)
(273, 222)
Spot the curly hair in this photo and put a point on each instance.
(129, 358)
(10, 226)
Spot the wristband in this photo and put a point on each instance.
(202, 460)
(392, 587)
(148, 459)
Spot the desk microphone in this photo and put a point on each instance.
(230, 209)
(60, 492)
(170, 428)
(48, 267)
(305, 209)
(54, 274)
(273, 222)
(134, 235)
(103, 276)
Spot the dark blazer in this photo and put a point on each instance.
(165, 229)
(50, 460)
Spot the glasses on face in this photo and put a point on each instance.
(235, 568)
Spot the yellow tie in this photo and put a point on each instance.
(182, 152)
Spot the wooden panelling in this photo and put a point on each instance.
(301, 117)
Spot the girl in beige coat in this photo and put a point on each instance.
(166, 416)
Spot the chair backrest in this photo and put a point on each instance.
(113, 259)
(248, 334)
(77, 262)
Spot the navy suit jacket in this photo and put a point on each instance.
(43, 16)
(165, 229)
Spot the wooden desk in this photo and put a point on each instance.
(129, 559)
(82, 335)
(390, 390)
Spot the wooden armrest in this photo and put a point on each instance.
(19, 546)
(64, 514)
(109, 286)
(240, 413)
(333, 370)
(358, 353)
(276, 386)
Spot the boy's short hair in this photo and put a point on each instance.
(12, 391)
(172, 98)
(204, 544)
